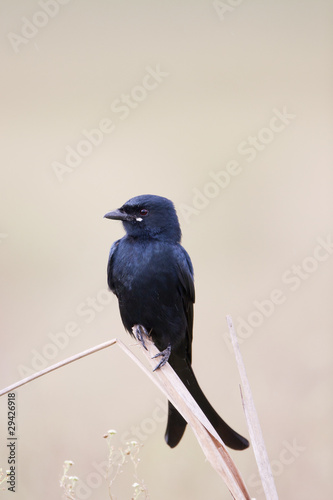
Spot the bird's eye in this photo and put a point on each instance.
(144, 212)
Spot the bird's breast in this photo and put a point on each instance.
(145, 273)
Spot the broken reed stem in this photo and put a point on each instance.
(51, 368)
(208, 439)
(170, 384)
(256, 435)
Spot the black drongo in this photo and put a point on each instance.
(152, 276)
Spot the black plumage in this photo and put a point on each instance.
(152, 276)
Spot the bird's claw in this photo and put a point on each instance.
(165, 357)
(140, 333)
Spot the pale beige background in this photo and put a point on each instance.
(225, 76)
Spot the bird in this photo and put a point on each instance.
(152, 276)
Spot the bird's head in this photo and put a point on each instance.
(148, 216)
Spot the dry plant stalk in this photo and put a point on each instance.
(51, 368)
(210, 442)
(170, 384)
(256, 436)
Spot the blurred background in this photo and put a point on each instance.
(225, 108)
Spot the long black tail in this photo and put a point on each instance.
(176, 423)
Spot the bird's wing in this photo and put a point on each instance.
(110, 266)
(186, 279)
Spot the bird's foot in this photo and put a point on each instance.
(165, 357)
(140, 332)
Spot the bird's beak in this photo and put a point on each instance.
(118, 215)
